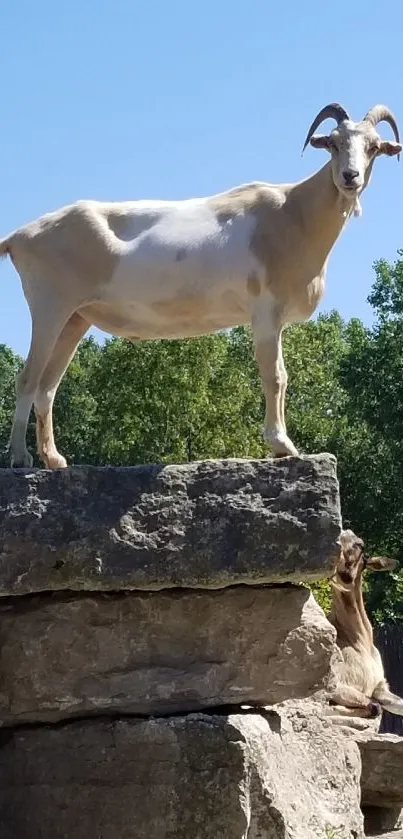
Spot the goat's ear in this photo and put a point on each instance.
(381, 563)
(320, 141)
(390, 148)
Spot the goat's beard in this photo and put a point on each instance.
(338, 585)
(356, 210)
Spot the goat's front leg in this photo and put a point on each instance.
(388, 700)
(350, 698)
(268, 352)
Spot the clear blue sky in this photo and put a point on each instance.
(121, 99)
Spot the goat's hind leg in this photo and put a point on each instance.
(48, 319)
(388, 700)
(63, 352)
(353, 702)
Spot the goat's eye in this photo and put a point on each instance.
(374, 148)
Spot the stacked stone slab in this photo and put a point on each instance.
(140, 610)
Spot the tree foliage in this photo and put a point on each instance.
(372, 374)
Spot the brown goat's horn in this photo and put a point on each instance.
(332, 111)
(380, 113)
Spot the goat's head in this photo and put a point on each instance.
(353, 146)
(353, 561)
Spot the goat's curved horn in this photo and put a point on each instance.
(332, 111)
(380, 113)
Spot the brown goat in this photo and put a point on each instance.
(362, 690)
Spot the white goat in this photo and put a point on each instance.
(169, 269)
(361, 685)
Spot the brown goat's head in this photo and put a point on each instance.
(353, 561)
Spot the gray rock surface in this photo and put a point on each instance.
(156, 653)
(284, 775)
(201, 525)
(382, 769)
(143, 591)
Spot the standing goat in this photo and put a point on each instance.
(361, 684)
(173, 269)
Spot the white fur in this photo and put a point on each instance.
(216, 260)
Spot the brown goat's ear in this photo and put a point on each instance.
(320, 141)
(390, 148)
(381, 563)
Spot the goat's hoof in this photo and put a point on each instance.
(278, 455)
(375, 710)
(25, 461)
(280, 444)
(56, 462)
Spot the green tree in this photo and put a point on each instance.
(372, 488)
(173, 401)
(9, 366)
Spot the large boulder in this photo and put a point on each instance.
(128, 594)
(200, 525)
(382, 769)
(282, 775)
(63, 655)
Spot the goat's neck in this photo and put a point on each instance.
(361, 605)
(348, 619)
(323, 211)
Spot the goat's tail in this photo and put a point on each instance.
(5, 246)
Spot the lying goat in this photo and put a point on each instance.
(361, 684)
(170, 269)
